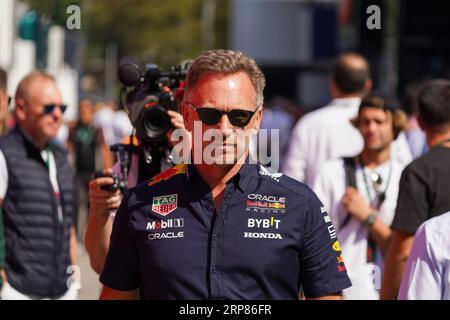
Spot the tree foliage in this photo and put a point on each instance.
(164, 32)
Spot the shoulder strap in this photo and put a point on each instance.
(350, 176)
(350, 179)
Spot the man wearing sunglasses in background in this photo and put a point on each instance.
(221, 227)
(37, 196)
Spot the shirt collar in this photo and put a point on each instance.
(240, 179)
(28, 139)
(243, 176)
(346, 102)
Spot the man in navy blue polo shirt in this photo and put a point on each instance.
(221, 228)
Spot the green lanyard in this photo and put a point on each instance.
(381, 196)
(371, 254)
(47, 158)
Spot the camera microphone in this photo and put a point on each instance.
(129, 71)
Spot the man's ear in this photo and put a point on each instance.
(334, 91)
(187, 116)
(19, 110)
(367, 86)
(259, 116)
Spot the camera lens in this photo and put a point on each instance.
(154, 124)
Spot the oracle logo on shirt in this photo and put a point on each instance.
(260, 197)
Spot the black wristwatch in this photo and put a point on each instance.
(371, 218)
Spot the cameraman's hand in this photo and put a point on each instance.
(101, 201)
(177, 121)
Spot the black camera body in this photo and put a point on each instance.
(151, 93)
(116, 185)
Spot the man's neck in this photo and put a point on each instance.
(412, 123)
(434, 139)
(218, 175)
(348, 96)
(39, 143)
(374, 158)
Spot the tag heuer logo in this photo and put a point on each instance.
(165, 204)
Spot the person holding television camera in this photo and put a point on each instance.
(152, 104)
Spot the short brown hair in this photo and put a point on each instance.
(399, 117)
(434, 104)
(226, 62)
(22, 91)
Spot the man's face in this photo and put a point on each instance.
(40, 125)
(375, 126)
(224, 93)
(86, 112)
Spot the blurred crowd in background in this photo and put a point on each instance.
(318, 111)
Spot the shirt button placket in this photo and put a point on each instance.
(220, 237)
(214, 267)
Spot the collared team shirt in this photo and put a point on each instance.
(427, 272)
(270, 239)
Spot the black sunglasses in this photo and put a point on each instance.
(49, 108)
(211, 116)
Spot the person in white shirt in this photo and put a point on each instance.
(360, 195)
(326, 133)
(104, 119)
(114, 123)
(427, 273)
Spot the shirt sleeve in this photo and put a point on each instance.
(294, 165)
(323, 190)
(422, 278)
(121, 270)
(412, 205)
(400, 150)
(323, 271)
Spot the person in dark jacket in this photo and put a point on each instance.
(90, 153)
(37, 197)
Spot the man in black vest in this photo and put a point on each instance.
(37, 197)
